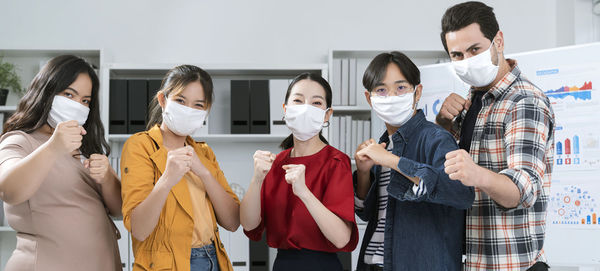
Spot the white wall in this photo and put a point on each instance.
(266, 32)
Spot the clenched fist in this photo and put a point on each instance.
(263, 160)
(67, 137)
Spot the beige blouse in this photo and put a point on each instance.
(64, 225)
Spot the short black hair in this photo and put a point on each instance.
(376, 70)
(464, 14)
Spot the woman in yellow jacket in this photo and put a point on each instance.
(174, 192)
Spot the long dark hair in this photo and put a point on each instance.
(288, 142)
(58, 74)
(173, 83)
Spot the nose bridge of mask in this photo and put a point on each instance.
(65, 109)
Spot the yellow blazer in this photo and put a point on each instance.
(168, 247)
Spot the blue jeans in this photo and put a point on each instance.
(204, 259)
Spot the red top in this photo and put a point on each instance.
(289, 224)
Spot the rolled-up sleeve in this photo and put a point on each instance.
(137, 176)
(528, 128)
(440, 188)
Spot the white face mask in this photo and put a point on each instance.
(477, 71)
(64, 109)
(182, 120)
(304, 120)
(394, 110)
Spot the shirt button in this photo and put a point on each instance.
(151, 265)
(126, 170)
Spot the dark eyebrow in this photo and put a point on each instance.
(318, 96)
(400, 81)
(76, 92)
(472, 46)
(298, 94)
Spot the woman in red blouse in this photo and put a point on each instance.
(304, 196)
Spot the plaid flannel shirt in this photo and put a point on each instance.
(513, 136)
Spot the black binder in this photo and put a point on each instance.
(259, 107)
(240, 106)
(137, 97)
(117, 107)
(153, 88)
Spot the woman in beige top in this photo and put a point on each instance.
(55, 178)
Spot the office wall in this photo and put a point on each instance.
(269, 31)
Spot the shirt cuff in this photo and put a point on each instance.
(420, 189)
(358, 203)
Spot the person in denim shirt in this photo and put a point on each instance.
(415, 213)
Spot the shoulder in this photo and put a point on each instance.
(336, 157)
(523, 91)
(139, 141)
(18, 138)
(432, 131)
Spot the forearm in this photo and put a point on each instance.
(111, 193)
(336, 230)
(363, 183)
(144, 217)
(443, 122)
(20, 179)
(392, 162)
(500, 188)
(227, 210)
(251, 207)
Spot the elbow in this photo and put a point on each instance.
(342, 242)
(138, 235)
(233, 227)
(10, 199)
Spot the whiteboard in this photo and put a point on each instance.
(570, 76)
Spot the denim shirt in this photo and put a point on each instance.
(423, 232)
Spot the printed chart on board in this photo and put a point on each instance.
(575, 97)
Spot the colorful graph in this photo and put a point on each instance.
(567, 151)
(573, 205)
(578, 93)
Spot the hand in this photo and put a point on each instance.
(377, 153)
(363, 162)
(452, 106)
(179, 162)
(197, 166)
(294, 175)
(67, 137)
(263, 160)
(98, 166)
(460, 166)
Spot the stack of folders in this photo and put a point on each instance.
(345, 133)
(346, 81)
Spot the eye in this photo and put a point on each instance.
(200, 106)
(86, 101)
(68, 95)
(179, 100)
(297, 101)
(317, 103)
(474, 50)
(401, 88)
(380, 90)
(457, 55)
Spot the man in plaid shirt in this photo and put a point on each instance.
(505, 129)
